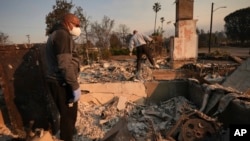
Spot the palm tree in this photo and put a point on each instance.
(162, 20)
(156, 8)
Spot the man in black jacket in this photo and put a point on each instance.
(62, 69)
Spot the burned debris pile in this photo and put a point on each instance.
(212, 68)
(176, 119)
(210, 72)
(113, 71)
(205, 112)
(142, 122)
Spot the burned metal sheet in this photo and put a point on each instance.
(240, 78)
(23, 87)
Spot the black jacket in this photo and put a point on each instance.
(62, 59)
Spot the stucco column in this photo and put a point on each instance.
(184, 46)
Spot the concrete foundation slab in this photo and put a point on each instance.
(101, 93)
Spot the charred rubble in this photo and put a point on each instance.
(175, 119)
(204, 114)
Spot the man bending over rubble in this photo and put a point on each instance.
(139, 41)
(62, 72)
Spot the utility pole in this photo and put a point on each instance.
(211, 24)
(210, 32)
(28, 36)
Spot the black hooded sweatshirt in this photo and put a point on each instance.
(61, 57)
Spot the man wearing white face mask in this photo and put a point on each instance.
(62, 71)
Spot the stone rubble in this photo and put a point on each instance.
(94, 121)
(113, 71)
(118, 71)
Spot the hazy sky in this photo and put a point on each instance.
(19, 18)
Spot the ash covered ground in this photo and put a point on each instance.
(139, 122)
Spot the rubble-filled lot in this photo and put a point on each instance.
(213, 71)
(179, 118)
(141, 122)
(168, 120)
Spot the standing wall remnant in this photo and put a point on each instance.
(23, 88)
(184, 46)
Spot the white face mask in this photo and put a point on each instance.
(76, 31)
